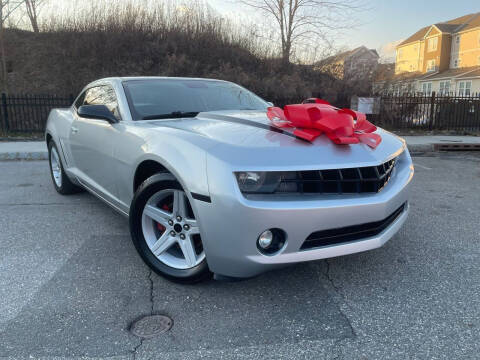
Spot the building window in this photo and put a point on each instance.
(464, 88)
(457, 39)
(427, 88)
(432, 44)
(444, 87)
(455, 64)
(431, 65)
(400, 53)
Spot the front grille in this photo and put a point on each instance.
(370, 179)
(350, 233)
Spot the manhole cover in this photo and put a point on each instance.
(151, 326)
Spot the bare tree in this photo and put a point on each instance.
(7, 7)
(33, 8)
(300, 20)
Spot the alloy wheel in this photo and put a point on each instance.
(171, 231)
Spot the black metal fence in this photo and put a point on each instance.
(28, 113)
(429, 112)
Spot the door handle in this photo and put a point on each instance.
(74, 130)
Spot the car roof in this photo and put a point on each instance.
(129, 78)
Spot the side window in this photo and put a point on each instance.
(80, 100)
(102, 95)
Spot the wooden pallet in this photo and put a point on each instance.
(456, 147)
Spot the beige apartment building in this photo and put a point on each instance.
(442, 57)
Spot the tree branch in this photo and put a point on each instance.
(298, 18)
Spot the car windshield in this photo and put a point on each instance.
(164, 98)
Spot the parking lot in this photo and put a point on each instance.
(71, 283)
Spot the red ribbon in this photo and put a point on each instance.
(315, 117)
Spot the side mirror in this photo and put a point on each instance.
(270, 103)
(99, 112)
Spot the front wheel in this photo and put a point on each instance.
(165, 231)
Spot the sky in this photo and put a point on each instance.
(384, 22)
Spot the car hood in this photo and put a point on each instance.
(245, 137)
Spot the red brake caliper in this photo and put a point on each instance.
(160, 227)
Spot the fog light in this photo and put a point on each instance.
(271, 241)
(265, 239)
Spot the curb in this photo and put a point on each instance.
(420, 148)
(443, 147)
(43, 155)
(36, 155)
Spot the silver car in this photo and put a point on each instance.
(210, 187)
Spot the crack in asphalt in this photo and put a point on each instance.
(135, 349)
(337, 289)
(327, 275)
(151, 298)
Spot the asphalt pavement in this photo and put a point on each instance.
(71, 283)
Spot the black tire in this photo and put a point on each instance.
(66, 187)
(148, 188)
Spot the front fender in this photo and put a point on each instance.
(188, 169)
(182, 156)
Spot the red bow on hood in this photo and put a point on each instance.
(309, 120)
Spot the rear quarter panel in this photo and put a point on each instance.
(58, 127)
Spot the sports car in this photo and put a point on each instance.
(210, 186)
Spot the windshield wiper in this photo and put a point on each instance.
(172, 115)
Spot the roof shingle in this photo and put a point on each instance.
(446, 28)
(473, 23)
(417, 36)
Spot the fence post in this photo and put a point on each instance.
(432, 111)
(5, 112)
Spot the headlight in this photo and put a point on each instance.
(258, 181)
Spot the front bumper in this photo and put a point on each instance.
(231, 223)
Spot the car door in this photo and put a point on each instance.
(92, 144)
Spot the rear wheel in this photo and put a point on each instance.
(165, 231)
(61, 182)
